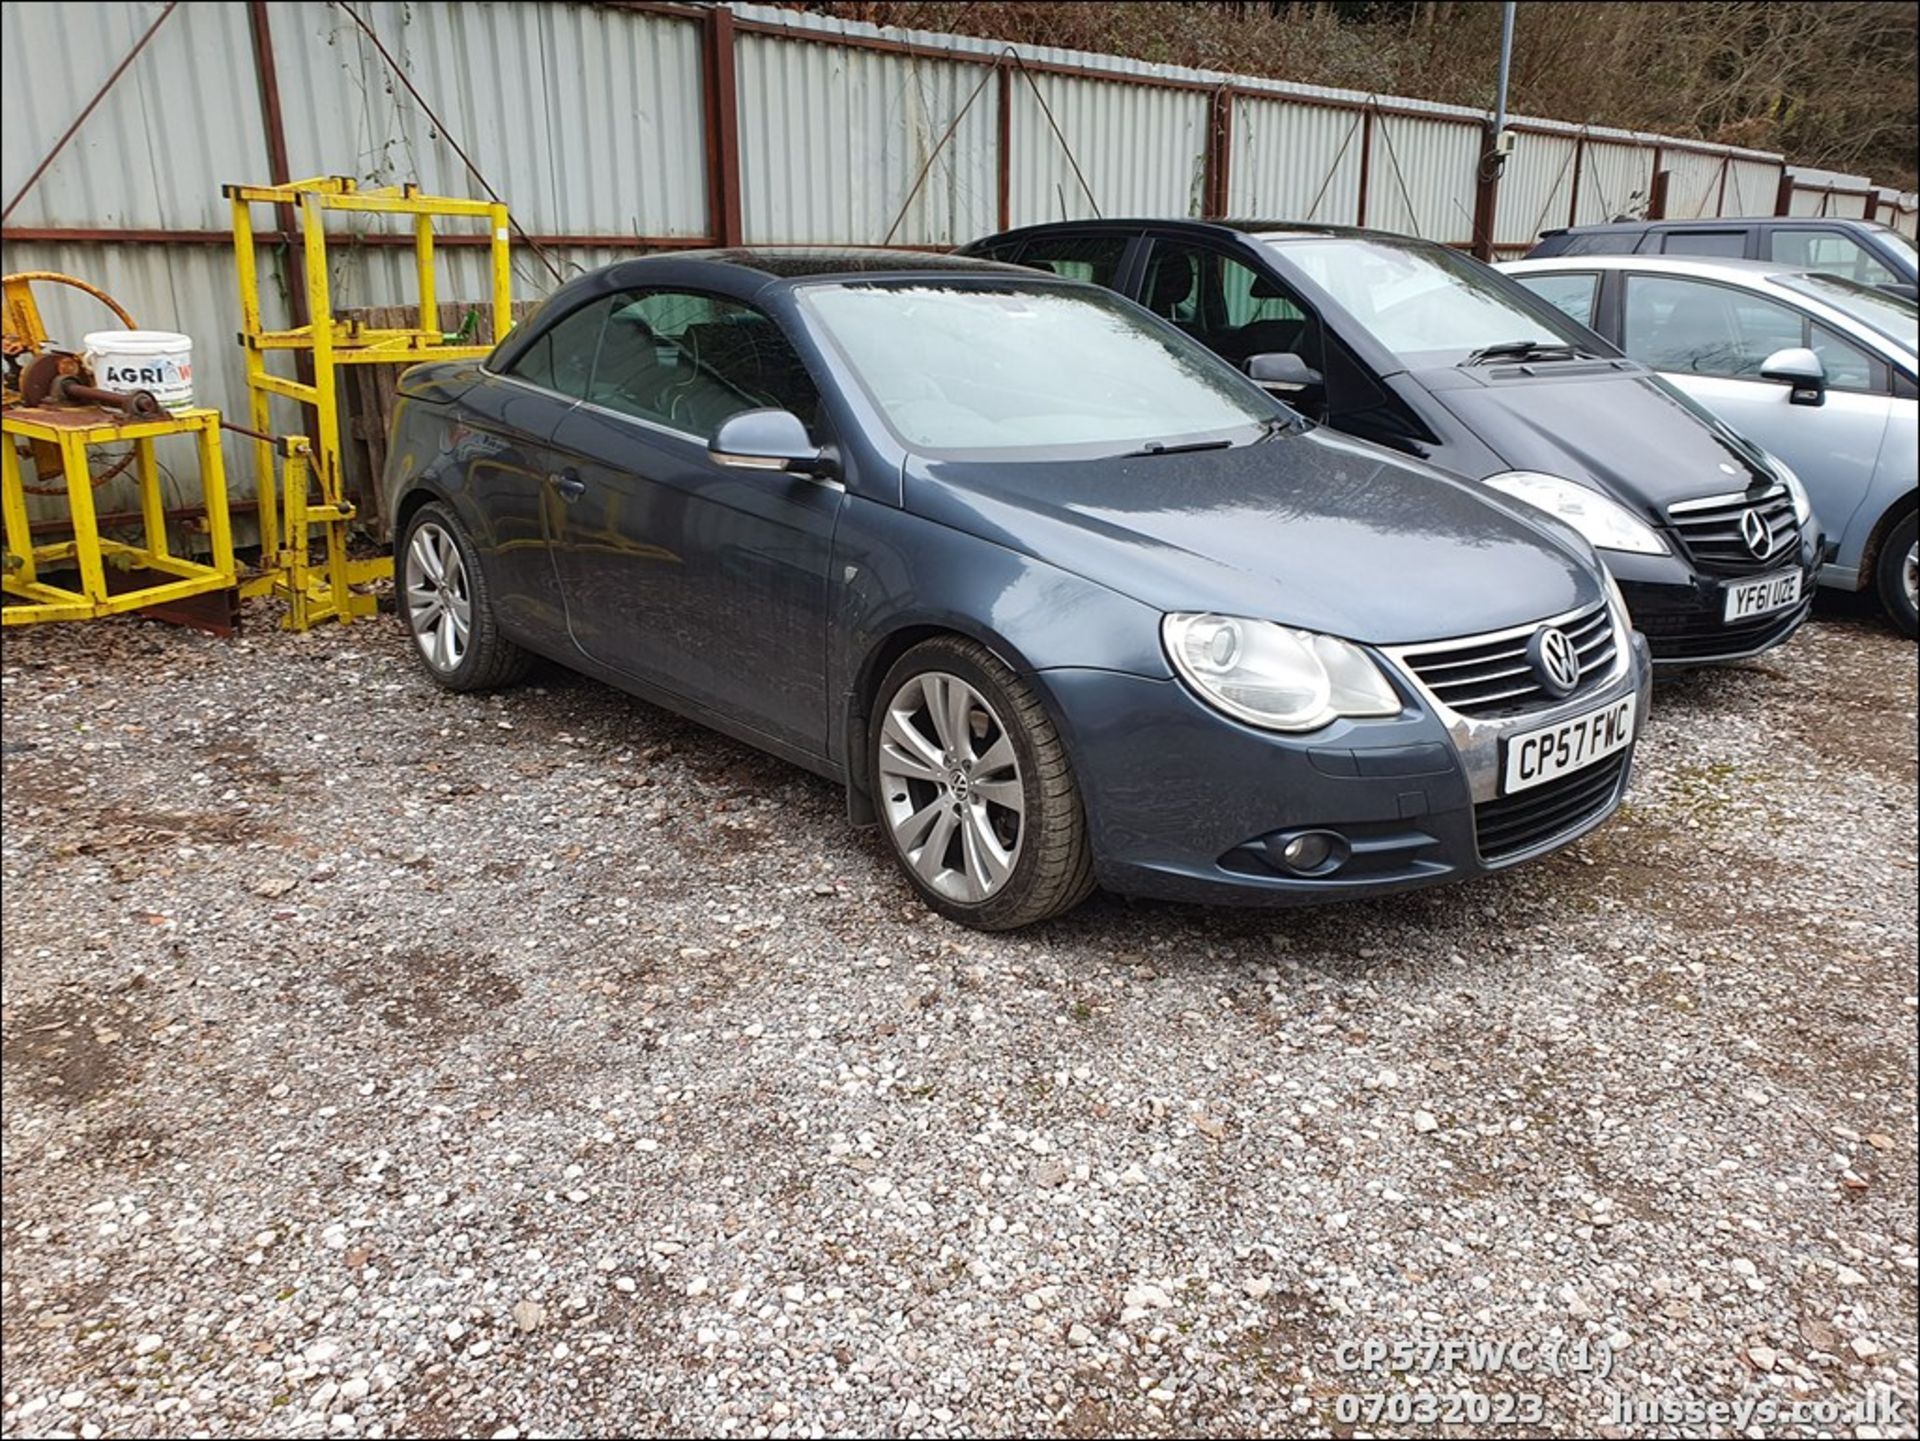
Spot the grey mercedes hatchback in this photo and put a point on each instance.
(1059, 596)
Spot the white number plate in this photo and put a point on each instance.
(1538, 756)
(1762, 596)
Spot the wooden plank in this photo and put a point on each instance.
(372, 391)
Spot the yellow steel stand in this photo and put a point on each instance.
(313, 592)
(71, 432)
(320, 593)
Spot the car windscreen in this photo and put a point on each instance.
(1881, 311)
(1428, 305)
(965, 369)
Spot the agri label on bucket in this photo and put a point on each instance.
(159, 361)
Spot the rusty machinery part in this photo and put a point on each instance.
(36, 372)
(134, 404)
(62, 377)
(59, 377)
(25, 333)
(48, 368)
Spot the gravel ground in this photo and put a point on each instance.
(380, 1061)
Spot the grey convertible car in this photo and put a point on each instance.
(1058, 595)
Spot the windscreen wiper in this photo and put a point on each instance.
(1160, 447)
(1528, 350)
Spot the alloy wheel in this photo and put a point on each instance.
(1910, 574)
(951, 787)
(439, 602)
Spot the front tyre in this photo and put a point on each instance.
(1898, 573)
(447, 606)
(975, 791)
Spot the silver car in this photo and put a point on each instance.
(1819, 370)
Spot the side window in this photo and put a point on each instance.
(1571, 293)
(1848, 367)
(1093, 258)
(1833, 251)
(689, 361)
(1604, 242)
(1239, 312)
(1247, 296)
(1730, 244)
(1229, 307)
(1172, 287)
(562, 358)
(1698, 328)
(1005, 250)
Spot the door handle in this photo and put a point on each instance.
(568, 483)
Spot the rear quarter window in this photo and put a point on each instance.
(1092, 258)
(1727, 244)
(1007, 250)
(1605, 243)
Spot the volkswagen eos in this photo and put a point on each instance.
(1059, 596)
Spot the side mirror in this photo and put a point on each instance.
(1801, 369)
(768, 440)
(1284, 373)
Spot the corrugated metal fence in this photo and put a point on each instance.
(616, 128)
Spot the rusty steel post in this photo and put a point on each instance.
(723, 128)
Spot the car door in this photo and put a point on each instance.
(503, 459)
(1712, 339)
(707, 581)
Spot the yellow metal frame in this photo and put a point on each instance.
(318, 593)
(313, 593)
(36, 600)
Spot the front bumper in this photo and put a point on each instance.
(1186, 804)
(1681, 611)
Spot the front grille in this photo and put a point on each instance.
(1710, 530)
(1702, 635)
(1491, 676)
(1513, 824)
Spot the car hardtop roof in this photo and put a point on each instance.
(1708, 222)
(1735, 265)
(829, 262)
(747, 271)
(1256, 228)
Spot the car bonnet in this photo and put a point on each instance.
(1315, 530)
(1607, 424)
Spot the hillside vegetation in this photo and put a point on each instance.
(1828, 83)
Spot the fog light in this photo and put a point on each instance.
(1306, 853)
(1309, 853)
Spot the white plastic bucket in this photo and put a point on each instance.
(155, 360)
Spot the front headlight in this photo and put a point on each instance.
(1273, 676)
(1607, 523)
(1802, 505)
